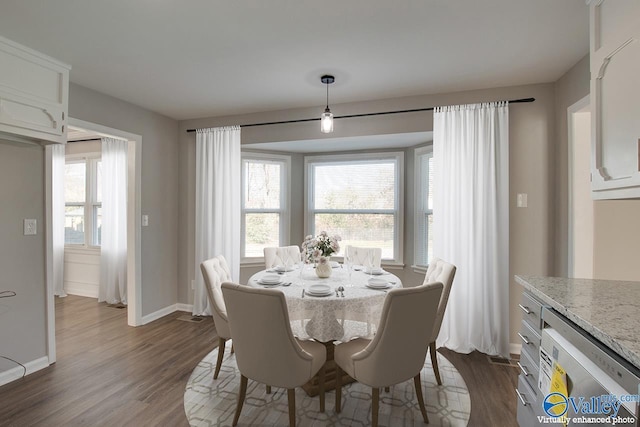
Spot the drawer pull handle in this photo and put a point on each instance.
(524, 339)
(523, 370)
(521, 397)
(524, 308)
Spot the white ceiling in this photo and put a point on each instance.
(199, 58)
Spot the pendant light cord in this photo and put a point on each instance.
(327, 84)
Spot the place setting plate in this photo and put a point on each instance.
(270, 280)
(375, 271)
(378, 283)
(319, 290)
(281, 269)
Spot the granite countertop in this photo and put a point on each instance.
(607, 309)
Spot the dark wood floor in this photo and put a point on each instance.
(109, 374)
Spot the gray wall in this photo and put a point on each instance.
(570, 88)
(532, 151)
(159, 186)
(22, 260)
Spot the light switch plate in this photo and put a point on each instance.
(522, 200)
(145, 220)
(30, 227)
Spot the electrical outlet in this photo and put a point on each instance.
(193, 284)
(145, 220)
(30, 227)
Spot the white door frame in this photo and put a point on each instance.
(134, 209)
(571, 111)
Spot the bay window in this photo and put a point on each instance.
(358, 197)
(423, 206)
(265, 201)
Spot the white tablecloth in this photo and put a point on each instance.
(332, 318)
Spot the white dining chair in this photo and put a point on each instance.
(266, 350)
(361, 256)
(443, 272)
(215, 271)
(393, 355)
(274, 256)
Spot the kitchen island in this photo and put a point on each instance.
(607, 309)
(589, 327)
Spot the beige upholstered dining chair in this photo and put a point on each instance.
(360, 256)
(394, 355)
(266, 350)
(215, 271)
(279, 256)
(443, 272)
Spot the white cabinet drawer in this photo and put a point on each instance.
(531, 311)
(529, 408)
(529, 370)
(530, 340)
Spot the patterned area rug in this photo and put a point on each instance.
(209, 402)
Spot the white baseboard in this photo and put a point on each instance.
(158, 314)
(81, 289)
(165, 311)
(515, 348)
(184, 307)
(17, 372)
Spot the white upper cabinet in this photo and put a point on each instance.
(615, 98)
(34, 94)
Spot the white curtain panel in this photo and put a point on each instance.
(56, 151)
(471, 223)
(113, 253)
(217, 204)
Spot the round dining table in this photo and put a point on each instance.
(351, 313)
(341, 316)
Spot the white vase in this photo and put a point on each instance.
(324, 270)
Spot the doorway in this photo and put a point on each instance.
(580, 225)
(134, 307)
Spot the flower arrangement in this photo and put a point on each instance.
(319, 248)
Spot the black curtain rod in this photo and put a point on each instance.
(350, 116)
(85, 140)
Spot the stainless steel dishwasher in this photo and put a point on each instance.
(600, 384)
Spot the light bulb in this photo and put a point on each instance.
(326, 122)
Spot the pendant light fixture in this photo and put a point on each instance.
(326, 119)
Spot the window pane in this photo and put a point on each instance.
(261, 185)
(97, 225)
(261, 230)
(430, 185)
(370, 230)
(75, 182)
(369, 185)
(430, 238)
(99, 181)
(424, 203)
(74, 225)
